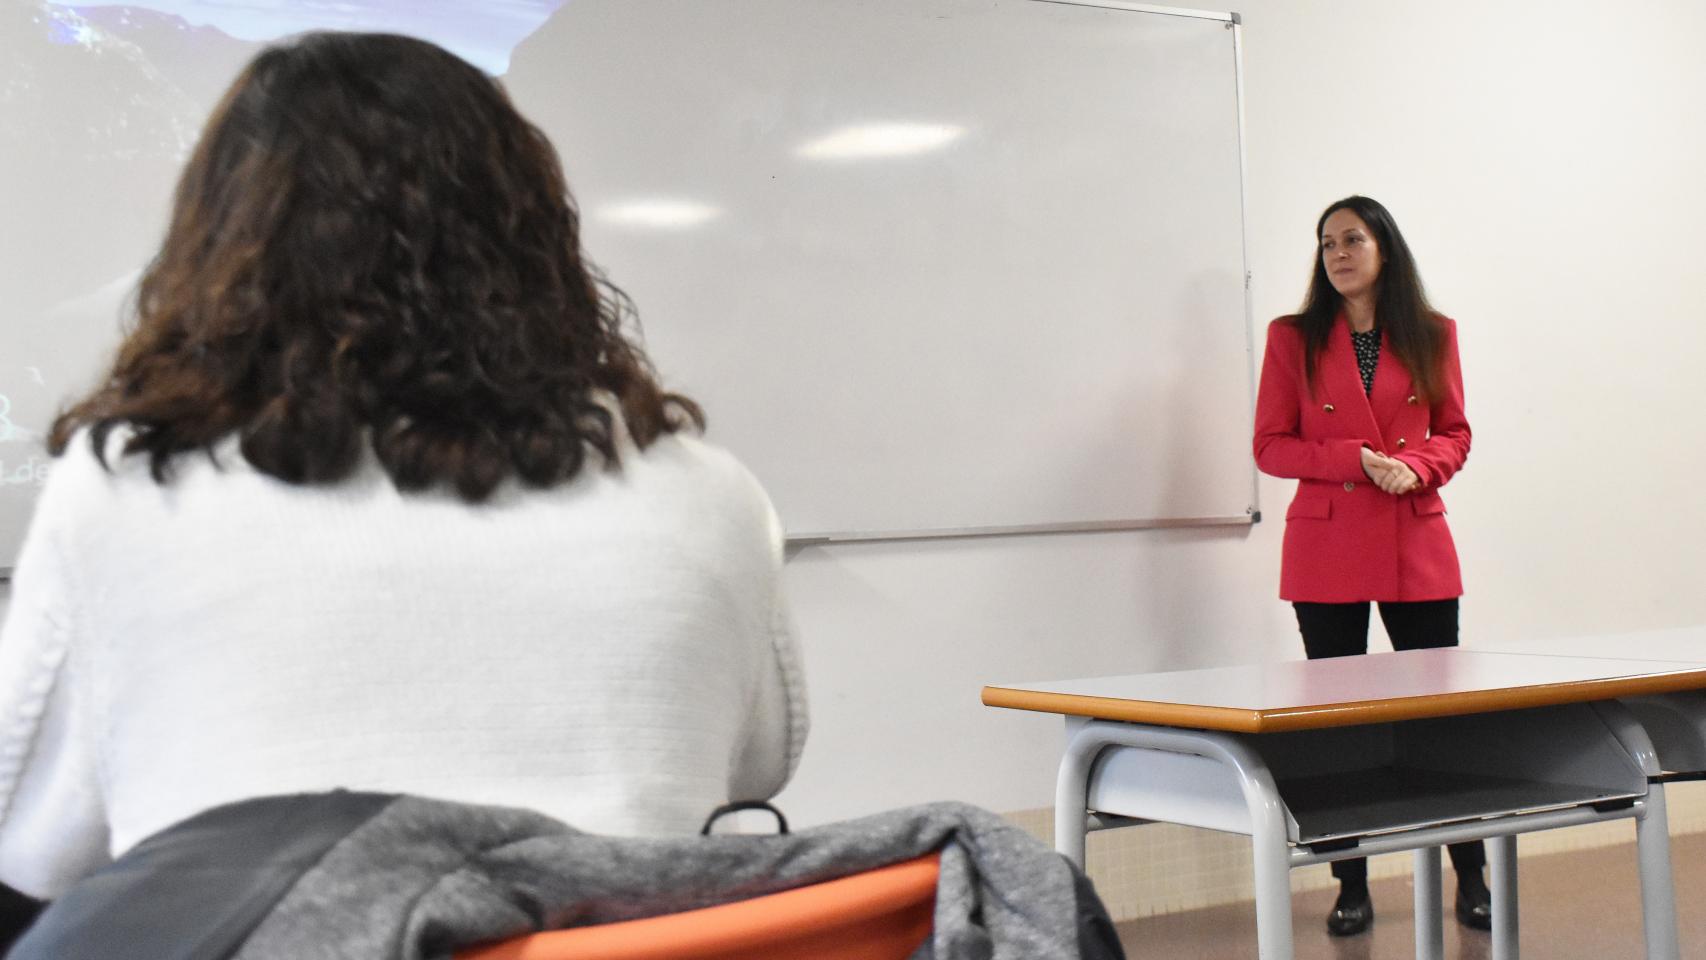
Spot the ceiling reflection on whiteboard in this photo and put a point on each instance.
(868, 140)
(657, 214)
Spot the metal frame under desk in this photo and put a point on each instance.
(1676, 722)
(1317, 795)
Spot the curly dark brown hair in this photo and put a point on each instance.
(371, 246)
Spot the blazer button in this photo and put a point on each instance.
(1328, 408)
(1400, 443)
(1412, 401)
(1349, 486)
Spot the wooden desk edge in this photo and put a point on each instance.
(1355, 713)
(1236, 719)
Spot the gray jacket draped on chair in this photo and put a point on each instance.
(358, 876)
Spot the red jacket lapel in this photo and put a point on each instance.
(1343, 381)
(1392, 388)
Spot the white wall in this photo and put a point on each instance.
(1546, 164)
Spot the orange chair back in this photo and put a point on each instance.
(881, 914)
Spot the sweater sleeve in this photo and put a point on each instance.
(53, 827)
(779, 721)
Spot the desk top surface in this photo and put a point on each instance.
(1347, 691)
(1686, 643)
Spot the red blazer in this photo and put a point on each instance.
(1345, 539)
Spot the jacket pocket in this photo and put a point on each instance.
(1312, 508)
(1428, 504)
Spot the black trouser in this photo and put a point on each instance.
(1341, 630)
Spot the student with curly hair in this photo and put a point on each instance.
(378, 494)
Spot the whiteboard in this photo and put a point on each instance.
(1038, 321)
(933, 267)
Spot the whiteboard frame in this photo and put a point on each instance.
(795, 542)
(1228, 17)
(1251, 516)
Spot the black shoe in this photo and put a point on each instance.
(1475, 910)
(1352, 914)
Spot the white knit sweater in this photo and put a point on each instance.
(613, 652)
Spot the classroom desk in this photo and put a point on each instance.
(1320, 760)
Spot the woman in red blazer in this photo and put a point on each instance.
(1362, 402)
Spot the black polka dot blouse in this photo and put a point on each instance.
(1367, 345)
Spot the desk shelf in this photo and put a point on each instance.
(1338, 784)
(1368, 803)
(1388, 778)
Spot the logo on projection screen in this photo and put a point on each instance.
(27, 471)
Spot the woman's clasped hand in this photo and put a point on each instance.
(1389, 473)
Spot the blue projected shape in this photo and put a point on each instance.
(62, 33)
(484, 33)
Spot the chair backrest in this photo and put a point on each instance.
(881, 914)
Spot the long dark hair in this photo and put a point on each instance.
(1414, 332)
(370, 246)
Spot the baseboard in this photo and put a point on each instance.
(1160, 868)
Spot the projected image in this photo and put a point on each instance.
(100, 103)
(484, 33)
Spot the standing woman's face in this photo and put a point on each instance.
(1349, 254)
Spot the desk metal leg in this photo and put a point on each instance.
(1501, 854)
(1430, 925)
(1273, 896)
(1658, 897)
(1652, 835)
(1268, 837)
(1071, 800)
